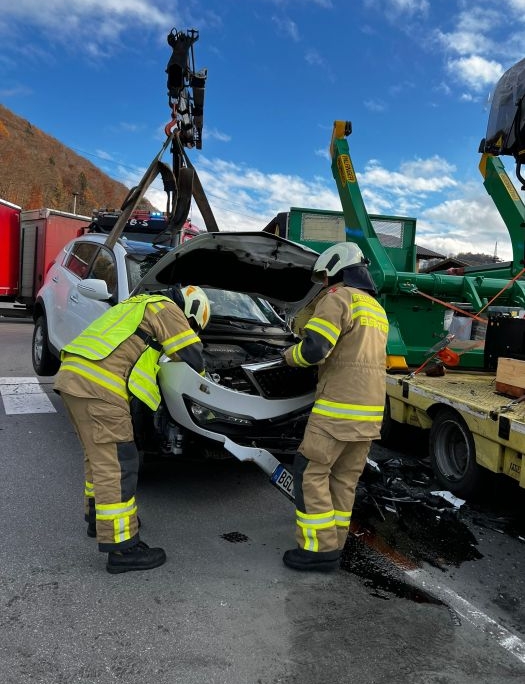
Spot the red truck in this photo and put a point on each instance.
(9, 254)
(30, 241)
(43, 233)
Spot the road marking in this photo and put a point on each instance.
(510, 642)
(24, 395)
(423, 580)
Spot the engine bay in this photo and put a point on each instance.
(248, 368)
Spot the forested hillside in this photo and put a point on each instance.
(36, 171)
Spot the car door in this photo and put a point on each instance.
(78, 310)
(54, 294)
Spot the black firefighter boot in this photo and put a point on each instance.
(299, 559)
(137, 557)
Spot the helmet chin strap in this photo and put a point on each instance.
(177, 297)
(194, 325)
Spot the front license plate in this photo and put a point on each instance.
(283, 480)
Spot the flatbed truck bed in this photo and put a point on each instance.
(471, 425)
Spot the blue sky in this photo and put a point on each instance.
(413, 76)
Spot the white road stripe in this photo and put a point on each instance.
(24, 395)
(510, 642)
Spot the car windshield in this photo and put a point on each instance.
(139, 262)
(238, 305)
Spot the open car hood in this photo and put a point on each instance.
(256, 263)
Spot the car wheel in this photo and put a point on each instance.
(453, 454)
(44, 362)
(390, 429)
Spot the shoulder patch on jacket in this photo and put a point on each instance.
(333, 289)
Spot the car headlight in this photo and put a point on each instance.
(204, 416)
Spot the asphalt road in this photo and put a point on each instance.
(224, 609)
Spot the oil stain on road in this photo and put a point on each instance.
(398, 525)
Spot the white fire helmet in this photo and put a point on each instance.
(335, 258)
(196, 305)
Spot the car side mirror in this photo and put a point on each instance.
(93, 288)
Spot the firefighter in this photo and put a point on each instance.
(346, 338)
(112, 361)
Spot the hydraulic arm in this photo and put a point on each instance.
(184, 130)
(404, 294)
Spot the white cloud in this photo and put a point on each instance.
(15, 91)
(485, 41)
(323, 152)
(213, 133)
(287, 27)
(402, 87)
(518, 5)
(468, 224)
(375, 105)
(475, 71)
(91, 26)
(327, 4)
(244, 198)
(102, 154)
(314, 58)
(417, 177)
(58, 12)
(452, 217)
(395, 8)
(463, 42)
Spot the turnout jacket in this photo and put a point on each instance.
(346, 336)
(117, 355)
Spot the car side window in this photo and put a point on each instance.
(77, 261)
(104, 268)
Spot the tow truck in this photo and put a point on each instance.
(435, 380)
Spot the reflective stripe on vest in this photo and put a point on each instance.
(142, 381)
(104, 335)
(334, 409)
(94, 373)
(115, 325)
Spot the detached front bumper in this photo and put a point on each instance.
(212, 411)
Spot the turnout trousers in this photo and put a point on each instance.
(111, 462)
(326, 472)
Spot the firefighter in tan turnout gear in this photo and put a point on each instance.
(113, 360)
(346, 336)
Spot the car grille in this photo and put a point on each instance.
(282, 382)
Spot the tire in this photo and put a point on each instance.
(44, 362)
(390, 429)
(453, 454)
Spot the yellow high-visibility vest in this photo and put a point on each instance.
(103, 336)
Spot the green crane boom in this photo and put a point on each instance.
(405, 293)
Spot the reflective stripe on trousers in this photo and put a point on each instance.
(325, 491)
(120, 514)
(111, 469)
